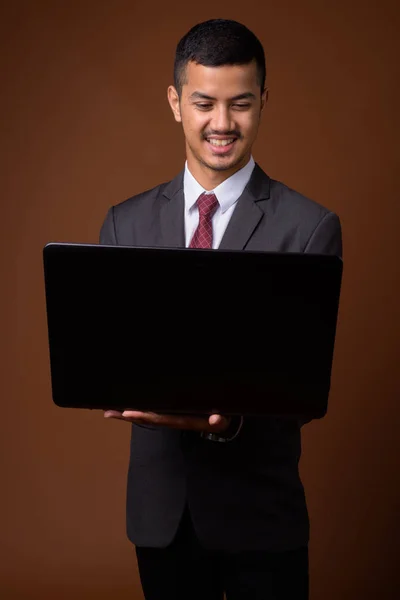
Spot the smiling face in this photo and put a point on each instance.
(220, 110)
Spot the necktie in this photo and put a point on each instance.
(202, 237)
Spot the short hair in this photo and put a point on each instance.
(216, 43)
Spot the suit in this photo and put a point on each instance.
(245, 494)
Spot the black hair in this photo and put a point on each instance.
(216, 43)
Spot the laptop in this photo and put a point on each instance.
(191, 331)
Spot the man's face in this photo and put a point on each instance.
(220, 109)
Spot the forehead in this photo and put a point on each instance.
(220, 82)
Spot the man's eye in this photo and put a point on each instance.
(209, 106)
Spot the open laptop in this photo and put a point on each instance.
(191, 331)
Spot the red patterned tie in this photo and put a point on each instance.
(202, 237)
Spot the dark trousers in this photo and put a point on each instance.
(185, 570)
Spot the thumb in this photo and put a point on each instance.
(215, 420)
(218, 422)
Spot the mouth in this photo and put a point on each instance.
(220, 145)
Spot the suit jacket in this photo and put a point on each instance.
(245, 494)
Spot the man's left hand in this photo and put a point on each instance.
(213, 424)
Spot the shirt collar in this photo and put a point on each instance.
(227, 192)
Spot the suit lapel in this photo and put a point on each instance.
(172, 214)
(241, 226)
(247, 213)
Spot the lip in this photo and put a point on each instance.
(220, 149)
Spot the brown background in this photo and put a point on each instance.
(85, 124)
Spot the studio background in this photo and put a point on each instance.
(85, 124)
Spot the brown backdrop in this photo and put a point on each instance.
(85, 124)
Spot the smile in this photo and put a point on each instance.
(221, 146)
(215, 142)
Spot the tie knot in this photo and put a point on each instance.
(207, 204)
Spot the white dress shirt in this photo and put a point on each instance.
(227, 193)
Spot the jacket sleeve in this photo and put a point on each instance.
(326, 237)
(108, 234)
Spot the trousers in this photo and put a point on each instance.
(185, 570)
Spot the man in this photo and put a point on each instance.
(216, 505)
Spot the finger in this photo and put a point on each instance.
(113, 414)
(173, 421)
(150, 418)
(145, 417)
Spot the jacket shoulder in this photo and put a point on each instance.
(296, 223)
(126, 221)
(285, 198)
(140, 201)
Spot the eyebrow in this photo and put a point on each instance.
(201, 96)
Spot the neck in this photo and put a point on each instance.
(209, 178)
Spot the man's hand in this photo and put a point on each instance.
(212, 424)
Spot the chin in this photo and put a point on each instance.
(224, 164)
(222, 167)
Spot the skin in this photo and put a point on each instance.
(221, 103)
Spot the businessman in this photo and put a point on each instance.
(216, 505)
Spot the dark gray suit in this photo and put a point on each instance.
(245, 494)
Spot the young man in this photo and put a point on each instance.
(216, 505)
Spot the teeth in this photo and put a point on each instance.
(220, 142)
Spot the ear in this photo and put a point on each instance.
(264, 98)
(173, 100)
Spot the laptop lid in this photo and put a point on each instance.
(191, 331)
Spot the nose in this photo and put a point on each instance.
(222, 119)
